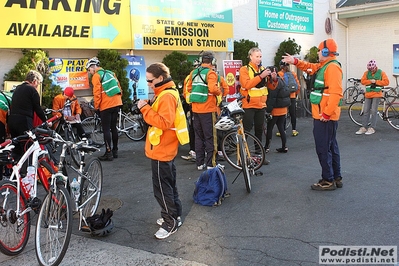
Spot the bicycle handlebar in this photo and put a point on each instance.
(353, 80)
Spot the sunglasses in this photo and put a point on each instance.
(150, 80)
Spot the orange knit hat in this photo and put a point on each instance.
(331, 45)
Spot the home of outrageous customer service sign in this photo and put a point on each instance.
(182, 25)
(286, 15)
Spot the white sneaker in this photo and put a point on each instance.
(370, 131)
(162, 233)
(179, 222)
(201, 167)
(361, 131)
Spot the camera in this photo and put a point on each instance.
(262, 83)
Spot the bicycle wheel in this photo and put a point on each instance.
(287, 121)
(54, 227)
(73, 153)
(392, 115)
(243, 162)
(93, 127)
(14, 229)
(90, 187)
(306, 102)
(135, 127)
(350, 94)
(355, 111)
(230, 150)
(391, 94)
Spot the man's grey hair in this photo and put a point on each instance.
(34, 75)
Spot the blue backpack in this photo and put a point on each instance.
(211, 187)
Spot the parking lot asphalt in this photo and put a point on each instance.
(281, 222)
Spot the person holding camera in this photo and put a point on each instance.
(374, 79)
(253, 79)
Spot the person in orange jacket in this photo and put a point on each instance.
(109, 107)
(325, 112)
(284, 67)
(71, 113)
(374, 79)
(162, 146)
(253, 78)
(205, 110)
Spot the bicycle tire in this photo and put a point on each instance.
(230, 153)
(287, 120)
(93, 126)
(244, 164)
(350, 94)
(391, 94)
(356, 112)
(135, 127)
(73, 153)
(391, 114)
(90, 184)
(14, 235)
(54, 227)
(306, 102)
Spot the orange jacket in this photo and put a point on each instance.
(213, 90)
(224, 87)
(59, 102)
(247, 83)
(293, 94)
(332, 95)
(383, 82)
(3, 116)
(101, 100)
(276, 111)
(163, 119)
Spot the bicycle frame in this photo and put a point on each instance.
(80, 175)
(35, 151)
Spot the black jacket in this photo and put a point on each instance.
(279, 97)
(26, 101)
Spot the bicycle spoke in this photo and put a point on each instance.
(14, 229)
(54, 227)
(392, 115)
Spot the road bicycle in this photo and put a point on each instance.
(242, 150)
(131, 124)
(353, 92)
(53, 230)
(388, 109)
(393, 92)
(65, 128)
(89, 175)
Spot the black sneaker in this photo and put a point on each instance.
(115, 153)
(282, 150)
(338, 182)
(107, 156)
(323, 185)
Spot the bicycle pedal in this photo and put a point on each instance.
(35, 204)
(85, 229)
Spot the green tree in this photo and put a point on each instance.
(287, 46)
(35, 60)
(179, 66)
(241, 49)
(312, 56)
(112, 60)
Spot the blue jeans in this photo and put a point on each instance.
(327, 150)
